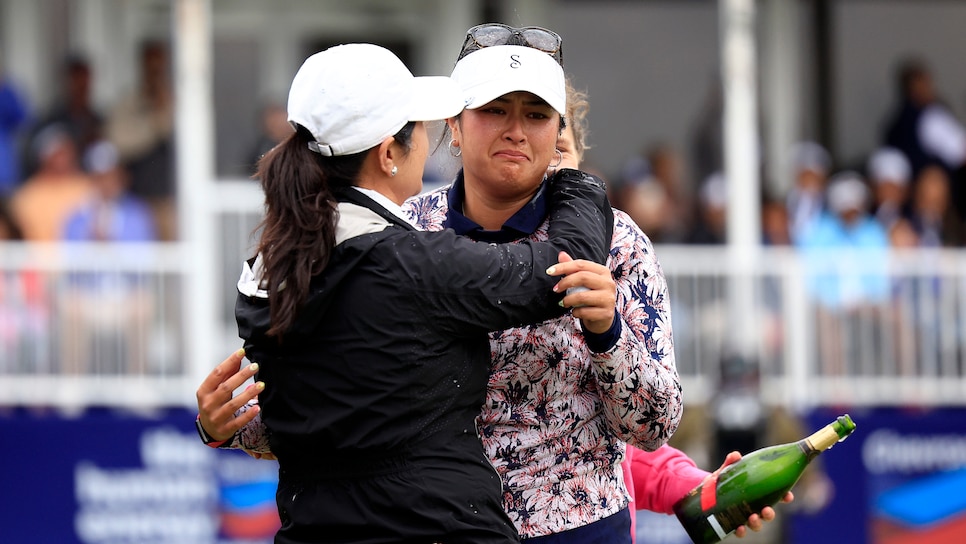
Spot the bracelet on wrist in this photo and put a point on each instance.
(206, 438)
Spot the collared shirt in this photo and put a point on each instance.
(521, 224)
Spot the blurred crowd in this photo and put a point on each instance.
(76, 173)
(909, 191)
(73, 172)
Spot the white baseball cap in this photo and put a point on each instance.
(352, 97)
(101, 157)
(810, 156)
(491, 72)
(846, 191)
(888, 164)
(714, 191)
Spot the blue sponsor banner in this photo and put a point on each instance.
(112, 477)
(897, 480)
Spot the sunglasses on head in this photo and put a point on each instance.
(491, 34)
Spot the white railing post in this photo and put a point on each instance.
(799, 335)
(195, 168)
(741, 161)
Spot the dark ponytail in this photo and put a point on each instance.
(298, 231)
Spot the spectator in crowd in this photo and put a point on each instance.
(775, 233)
(112, 213)
(107, 305)
(775, 228)
(810, 167)
(922, 125)
(847, 225)
(634, 172)
(889, 172)
(13, 117)
(44, 202)
(846, 255)
(924, 128)
(931, 210)
(141, 127)
(711, 226)
(653, 194)
(273, 127)
(10, 312)
(9, 228)
(74, 109)
(903, 235)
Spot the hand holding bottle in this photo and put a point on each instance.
(720, 505)
(755, 521)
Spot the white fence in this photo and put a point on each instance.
(834, 328)
(96, 324)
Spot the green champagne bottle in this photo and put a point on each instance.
(719, 505)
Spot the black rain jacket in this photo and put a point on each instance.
(385, 368)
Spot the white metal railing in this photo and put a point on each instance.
(91, 323)
(102, 324)
(830, 328)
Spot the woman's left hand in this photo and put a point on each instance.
(594, 305)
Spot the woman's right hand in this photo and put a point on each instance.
(217, 407)
(591, 291)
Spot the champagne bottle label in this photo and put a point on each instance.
(718, 529)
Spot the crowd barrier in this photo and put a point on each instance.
(104, 324)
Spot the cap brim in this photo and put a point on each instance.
(435, 98)
(485, 93)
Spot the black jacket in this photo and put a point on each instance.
(386, 365)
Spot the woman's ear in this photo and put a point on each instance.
(454, 130)
(387, 155)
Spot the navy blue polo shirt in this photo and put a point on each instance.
(519, 225)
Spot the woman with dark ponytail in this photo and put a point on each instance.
(370, 336)
(298, 231)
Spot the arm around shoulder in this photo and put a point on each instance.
(581, 218)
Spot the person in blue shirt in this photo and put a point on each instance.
(113, 214)
(848, 247)
(846, 252)
(113, 305)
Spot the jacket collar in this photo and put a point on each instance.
(522, 224)
(360, 214)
